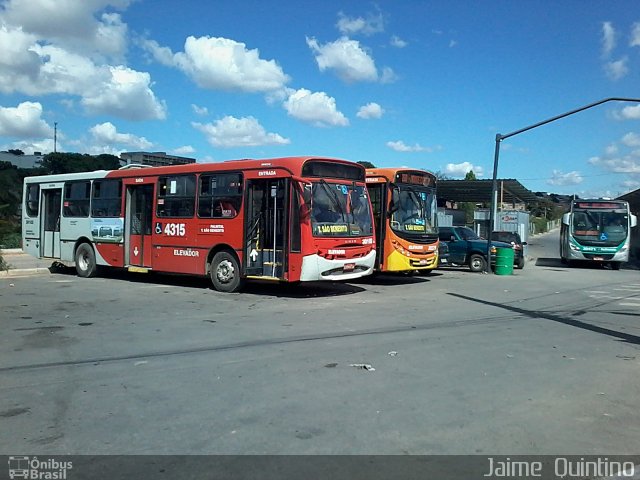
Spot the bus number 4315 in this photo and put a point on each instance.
(175, 229)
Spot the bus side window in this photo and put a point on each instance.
(32, 200)
(76, 199)
(106, 198)
(220, 195)
(176, 196)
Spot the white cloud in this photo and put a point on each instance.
(184, 150)
(35, 67)
(626, 164)
(629, 113)
(608, 38)
(316, 108)
(631, 139)
(29, 147)
(559, 178)
(222, 64)
(461, 169)
(238, 132)
(78, 26)
(611, 149)
(106, 135)
(350, 62)
(202, 111)
(400, 146)
(366, 26)
(617, 69)
(397, 42)
(635, 35)
(24, 122)
(369, 111)
(388, 75)
(125, 93)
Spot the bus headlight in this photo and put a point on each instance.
(573, 247)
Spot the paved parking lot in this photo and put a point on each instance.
(544, 361)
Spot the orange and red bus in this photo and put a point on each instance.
(282, 219)
(405, 215)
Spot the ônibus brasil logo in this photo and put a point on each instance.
(35, 469)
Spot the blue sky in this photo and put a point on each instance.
(412, 83)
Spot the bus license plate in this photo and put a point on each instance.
(423, 261)
(598, 259)
(349, 267)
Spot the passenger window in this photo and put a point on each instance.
(106, 198)
(176, 196)
(32, 200)
(76, 199)
(220, 195)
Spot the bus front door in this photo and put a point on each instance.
(139, 226)
(52, 202)
(266, 227)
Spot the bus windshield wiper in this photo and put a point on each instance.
(333, 196)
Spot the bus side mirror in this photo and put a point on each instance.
(633, 221)
(565, 219)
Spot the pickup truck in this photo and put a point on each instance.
(467, 248)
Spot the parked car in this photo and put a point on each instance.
(443, 254)
(516, 242)
(467, 248)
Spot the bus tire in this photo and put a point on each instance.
(86, 261)
(477, 263)
(615, 265)
(225, 272)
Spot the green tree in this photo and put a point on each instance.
(59, 162)
(470, 175)
(366, 164)
(15, 151)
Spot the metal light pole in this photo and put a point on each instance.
(500, 137)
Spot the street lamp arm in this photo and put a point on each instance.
(558, 117)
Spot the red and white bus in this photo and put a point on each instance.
(282, 219)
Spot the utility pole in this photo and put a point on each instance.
(55, 137)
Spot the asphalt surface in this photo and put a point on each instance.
(544, 361)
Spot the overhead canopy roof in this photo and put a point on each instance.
(479, 191)
(633, 198)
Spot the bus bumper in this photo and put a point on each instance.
(396, 262)
(315, 267)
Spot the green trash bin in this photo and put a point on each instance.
(504, 261)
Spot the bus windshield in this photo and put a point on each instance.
(340, 210)
(416, 211)
(607, 228)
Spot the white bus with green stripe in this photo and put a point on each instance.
(597, 231)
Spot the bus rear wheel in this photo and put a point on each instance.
(86, 261)
(225, 272)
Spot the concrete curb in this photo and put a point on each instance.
(24, 272)
(11, 251)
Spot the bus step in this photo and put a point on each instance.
(277, 264)
(138, 269)
(264, 277)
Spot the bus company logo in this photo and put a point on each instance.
(266, 173)
(35, 469)
(178, 252)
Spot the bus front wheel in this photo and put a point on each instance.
(615, 265)
(86, 261)
(225, 272)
